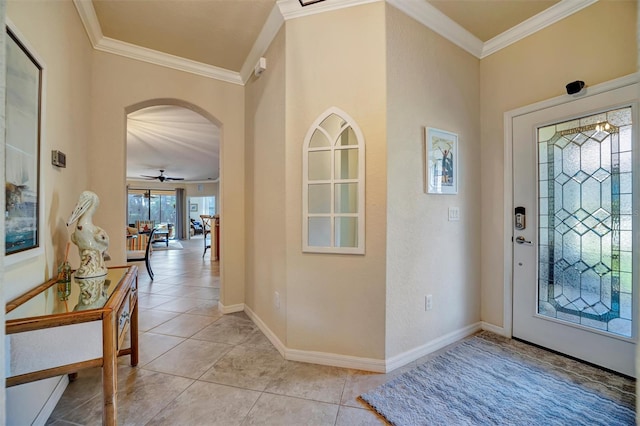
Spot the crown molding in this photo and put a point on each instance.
(89, 20)
(284, 10)
(437, 21)
(432, 18)
(151, 56)
(547, 17)
(262, 43)
(105, 44)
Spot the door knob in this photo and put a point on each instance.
(520, 240)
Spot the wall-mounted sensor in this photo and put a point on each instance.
(260, 67)
(58, 159)
(575, 87)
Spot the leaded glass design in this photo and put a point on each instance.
(585, 216)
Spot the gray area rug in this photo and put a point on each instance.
(490, 380)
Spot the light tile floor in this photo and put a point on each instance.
(198, 367)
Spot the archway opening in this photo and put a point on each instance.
(173, 156)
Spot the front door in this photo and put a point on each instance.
(575, 186)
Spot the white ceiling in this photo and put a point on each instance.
(223, 39)
(175, 139)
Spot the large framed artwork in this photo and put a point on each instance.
(22, 150)
(441, 161)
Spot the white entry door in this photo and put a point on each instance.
(575, 205)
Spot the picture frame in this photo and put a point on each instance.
(23, 207)
(193, 207)
(441, 161)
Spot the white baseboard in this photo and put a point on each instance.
(323, 358)
(50, 405)
(494, 329)
(337, 360)
(266, 331)
(360, 363)
(432, 346)
(231, 308)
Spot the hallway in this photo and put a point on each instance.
(198, 367)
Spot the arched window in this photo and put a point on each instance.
(333, 185)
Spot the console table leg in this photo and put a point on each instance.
(109, 378)
(134, 332)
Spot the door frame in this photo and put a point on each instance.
(507, 321)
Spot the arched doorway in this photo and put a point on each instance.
(173, 155)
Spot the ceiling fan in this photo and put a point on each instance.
(162, 177)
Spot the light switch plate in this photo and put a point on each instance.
(454, 214)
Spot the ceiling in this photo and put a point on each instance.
(175, 139)
(486, 19)
(223, 35)
(214, 32)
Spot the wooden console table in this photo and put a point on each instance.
(49, 336)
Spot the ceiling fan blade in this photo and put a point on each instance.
(161, 177)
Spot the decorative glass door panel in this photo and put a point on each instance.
(584, 226)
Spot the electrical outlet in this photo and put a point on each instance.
(276, 300)
(428, 302)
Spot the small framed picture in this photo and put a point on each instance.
(441, 152)
(193, 207)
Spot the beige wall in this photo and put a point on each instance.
(595, 45)
(119, 83)
(208, 190)
(336, 303)
(265, 196)
(431, 83)
(54, 32)
(57, 37)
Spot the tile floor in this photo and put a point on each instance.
(198, 367)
